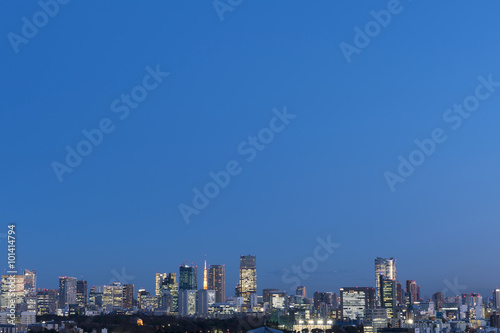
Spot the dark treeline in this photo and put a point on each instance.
(169, 324)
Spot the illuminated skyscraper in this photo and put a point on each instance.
(248, 278)
(187, 302)
(128, 296)
(278, 300)
(159, 282)
(387, 268)
(67, 292)
(266, 294)
(399, 293)
(170, 294)
(496, 299)
(322, 299)
(149, 302)
(375, 320)
(46, 301)
(388, 295)
(438, 299)
(112, 297)
(205, 299)
(475, 300)
(12, 290)
(30, 282)
(81, 293)
(217, 282)
(188, 277)
(140, 294)
(354, 302)
(411, 288)
(301, 291)
(95, 296)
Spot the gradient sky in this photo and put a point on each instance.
(323, 175)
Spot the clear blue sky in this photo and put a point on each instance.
(322, 175)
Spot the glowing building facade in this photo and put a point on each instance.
(248, 278)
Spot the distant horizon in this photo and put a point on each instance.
(310, 294)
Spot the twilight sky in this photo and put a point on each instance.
(316, 172)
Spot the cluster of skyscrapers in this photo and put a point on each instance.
(175, 293)
(388, 303)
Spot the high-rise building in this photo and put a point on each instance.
(438, 299)
(140, 294)
(217, 282)
(266, 294)
(67, 292)
(95, 296)
(496, 299)
(354, 302)
(465, 299)
(205, 299)
(411, 288)
(399, 293)
(278, 300)
(374, 320)
(188, 277)
(170, 294)
(495, 320)
(322, 299)
(160, 277)
(30, 282)
(128, 296)
(81, 293)
(301, 291)
(149, 302)
(12, 289)
(187, 302)
(336, 301)
(407, 299)
(46, 301)
(387, 268)
(248, 278)
(388, 296)
(30, 303)
(112, 297)
(476, 300)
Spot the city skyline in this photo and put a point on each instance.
(21, 300)
(452, 287)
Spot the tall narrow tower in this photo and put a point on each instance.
(217, 282)
(205, 283)
(248, 278)
(385, 267)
